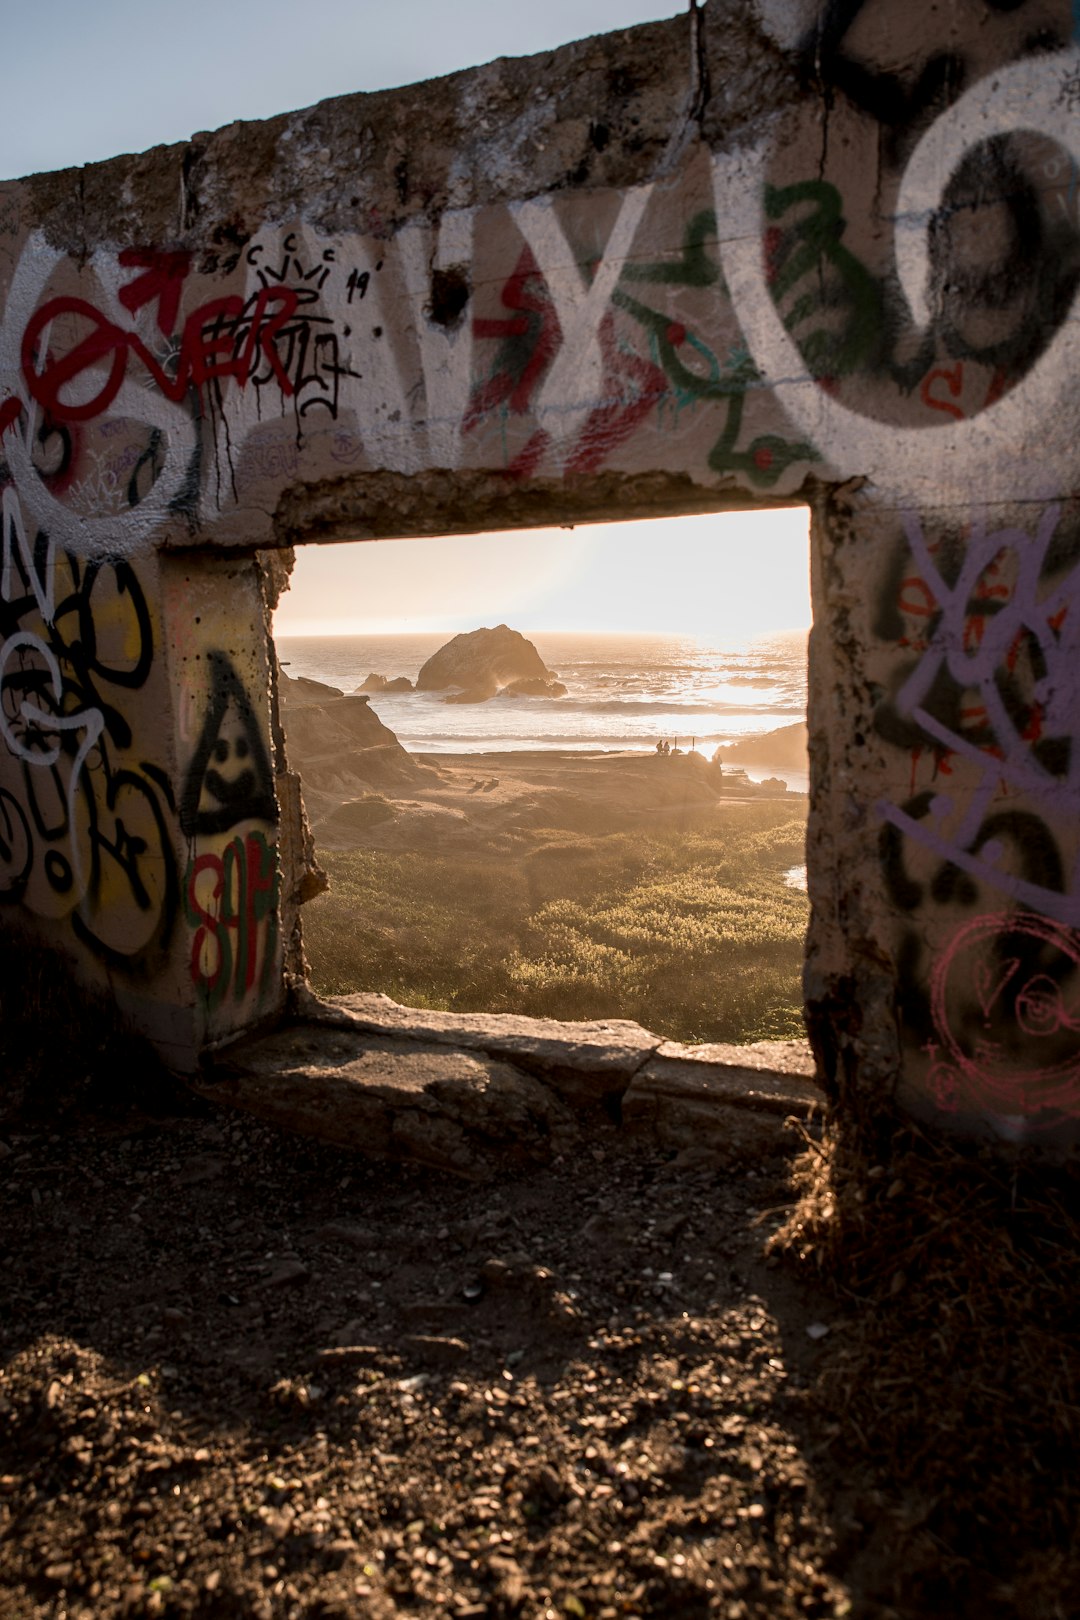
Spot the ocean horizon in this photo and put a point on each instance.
(625, 690)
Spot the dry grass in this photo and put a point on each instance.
(957, 1368)
(693, 932)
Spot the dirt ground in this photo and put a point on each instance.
(246, 1375)
(506, 803)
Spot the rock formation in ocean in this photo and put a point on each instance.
(484, 662)
(382, 683)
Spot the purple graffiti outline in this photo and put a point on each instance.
(1058, 693)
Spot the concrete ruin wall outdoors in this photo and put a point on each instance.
(768, 251)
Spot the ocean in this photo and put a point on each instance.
(624, 691)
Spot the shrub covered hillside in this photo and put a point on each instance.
(694, 933)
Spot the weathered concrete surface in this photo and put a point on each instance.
(772, 1076)
(587, 1061)
(367, 1074)
(761, 252)
(728, 1099)
(460, 1111)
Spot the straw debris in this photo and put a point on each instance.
(956, 1377)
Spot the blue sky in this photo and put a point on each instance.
(86, 79)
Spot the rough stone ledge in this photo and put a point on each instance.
(774, 1077)
(393, 1098)
(474, 1094)
(587, 1062)
(727, 1097)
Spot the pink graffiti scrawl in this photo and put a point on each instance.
(1005, 998)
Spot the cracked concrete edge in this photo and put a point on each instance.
(771, 1068)
(612, 1050)
(462, 1112)
(613, 110)
(681, 1095)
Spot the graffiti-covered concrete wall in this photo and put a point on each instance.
(773, 249)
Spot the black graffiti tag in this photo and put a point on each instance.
(91, 822)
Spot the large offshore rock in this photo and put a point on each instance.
(482, 662)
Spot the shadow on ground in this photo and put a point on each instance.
(245, 1374)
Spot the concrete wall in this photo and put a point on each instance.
(769, 250)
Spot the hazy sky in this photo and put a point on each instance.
(84, 81)
(741, 574)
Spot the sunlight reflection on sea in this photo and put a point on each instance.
(623, 691)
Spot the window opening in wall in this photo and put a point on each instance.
(594, 809)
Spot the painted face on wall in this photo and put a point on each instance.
(229, 779)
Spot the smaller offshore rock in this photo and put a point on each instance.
(382, 683)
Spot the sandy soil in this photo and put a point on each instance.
(470, 801)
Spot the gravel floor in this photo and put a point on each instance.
(245, 1375)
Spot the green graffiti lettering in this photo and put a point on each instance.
(806, 253)
(694, 269)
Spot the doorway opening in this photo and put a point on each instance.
(560, 773)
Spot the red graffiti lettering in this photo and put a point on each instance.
(234, 916)
(530, 341)
(632, 387)
(953, 378)
(999, 382)
(916, 598)
(208, 343)
(104, 339)
(530, 455)
(264, 330)
(161, 282)
(211, 952)
(210, 349)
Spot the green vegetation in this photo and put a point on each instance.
(692, 933)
